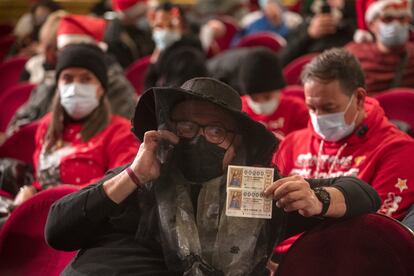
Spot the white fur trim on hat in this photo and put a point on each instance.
(379, 7)
(361, 36)
(66, 39)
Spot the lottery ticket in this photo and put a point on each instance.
(245, 187)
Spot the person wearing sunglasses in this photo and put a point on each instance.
(164, 214)
(386, 54)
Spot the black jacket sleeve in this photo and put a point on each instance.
(24, 75)
(75, 218)
(360, 198)
(297, 44)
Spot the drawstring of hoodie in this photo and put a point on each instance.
(318, 161)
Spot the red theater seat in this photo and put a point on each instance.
(6, 42)
(270, 40)
(136, 72)
(5, 29)
(10, 71)
(398, 105)
(367, 245)
(11, 100)
(21, 145)
(23, 249)
(292, 71)
(231, 29)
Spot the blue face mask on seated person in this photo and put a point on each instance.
(165, 38)
(332, 127)
(393, 34)
(78, 100)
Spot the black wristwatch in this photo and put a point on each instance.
(323, 197)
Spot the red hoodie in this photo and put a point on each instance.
(377, 152)
(82, 163)
(291, 114)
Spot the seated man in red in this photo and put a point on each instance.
(349, 135)
(388, 61)
(261, 79)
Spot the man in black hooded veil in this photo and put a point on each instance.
(164, 214)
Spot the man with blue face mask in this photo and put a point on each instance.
(170, 33)
(387, 57)
(127, 35)
(272, 17)
(348, 134)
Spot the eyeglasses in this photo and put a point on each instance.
(400, 19)
(214, 134)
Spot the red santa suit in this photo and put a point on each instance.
(290, 115)
(377, 152)
(82, 163)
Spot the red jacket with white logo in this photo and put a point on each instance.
(291, 114)
(377, 152)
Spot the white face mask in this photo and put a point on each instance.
(165, 38)
(265, 108)
(393, 34)
(332, 127)
(79, 100)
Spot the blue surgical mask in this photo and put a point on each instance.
(262, 3)
(264, 108)
(393, 34)
(165, 38)
(78, 100)
(332, 127)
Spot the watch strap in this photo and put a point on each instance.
(324, 197)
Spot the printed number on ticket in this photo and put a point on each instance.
(245, 187)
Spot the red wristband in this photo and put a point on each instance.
(133, 177)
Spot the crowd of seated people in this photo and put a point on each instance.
(80, 139)
(235, 103)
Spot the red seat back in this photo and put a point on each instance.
(136, 72)
(367, 245)
(292, 71)
(10, 71)
(231, 29)
(398, 104)
(294, 91)
(295, 5)
(270, 40)
(23, 249)
(5, 29)
(11, 100)
(6, 43)
(21, 145)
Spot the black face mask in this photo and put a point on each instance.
(200, 160)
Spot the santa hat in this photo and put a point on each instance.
(75, 29)
(129, 7)
(368, 10)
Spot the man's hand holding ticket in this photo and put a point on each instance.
(245, 186)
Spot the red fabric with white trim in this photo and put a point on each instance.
(381, 157)
(112, 147)
(382, 7)
(80, 28)
(290, 115)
